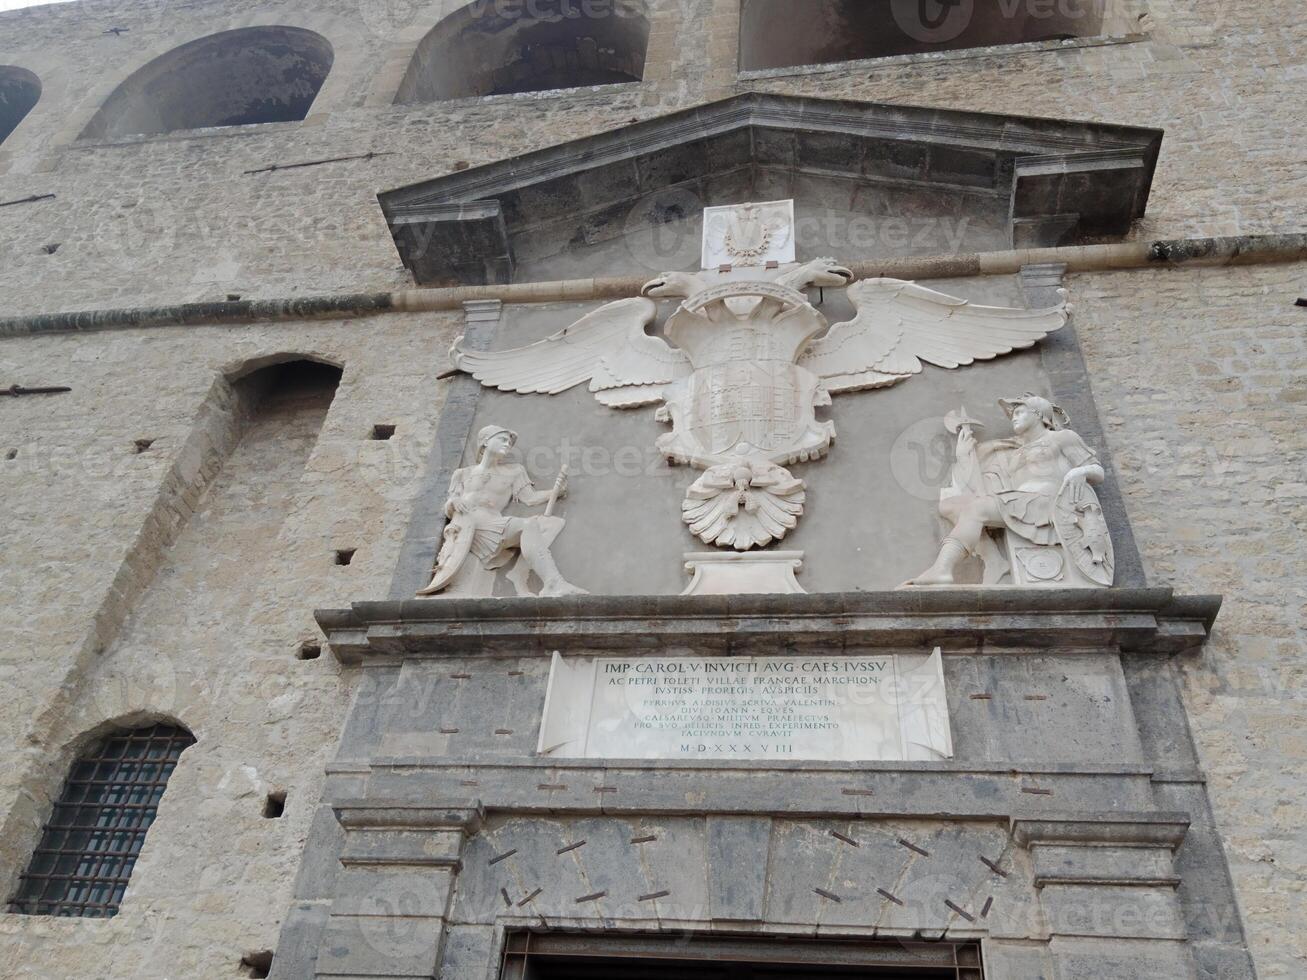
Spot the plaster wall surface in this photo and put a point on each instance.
(1197, 375)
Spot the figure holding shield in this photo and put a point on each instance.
(1038, 484)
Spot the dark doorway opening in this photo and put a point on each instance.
(546, 956)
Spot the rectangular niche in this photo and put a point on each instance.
(836, 31)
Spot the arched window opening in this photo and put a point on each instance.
(95, 834)
(274, 395)
(236, 78)
(19, 92)
(500, 49)
(784, 34)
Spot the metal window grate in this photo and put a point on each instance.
(92, 839)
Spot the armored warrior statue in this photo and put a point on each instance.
(1037, 485)
(479, 530)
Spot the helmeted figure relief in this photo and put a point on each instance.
(747, 362)
(1038, 486)
(479, 531)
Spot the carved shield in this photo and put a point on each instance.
(1082, 528)
(453, 557)
(768, 406)
(755, 402)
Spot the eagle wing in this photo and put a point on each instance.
(609, 348)
(901, 324)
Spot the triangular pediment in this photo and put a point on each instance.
(1053, 182)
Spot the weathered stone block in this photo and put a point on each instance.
(393, 946)
(738, 858)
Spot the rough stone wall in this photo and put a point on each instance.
(209, 628)
(1216, 357)
(1199, 377)
(1217, 77)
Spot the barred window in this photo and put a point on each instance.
(91, 842)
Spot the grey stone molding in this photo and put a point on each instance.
(1152, 619)
(1166, 830)
(1072, 862)
(1088, 876)
(1113, 849)
(389, 910)
(383, 815)
(1143, 829)
(1065, 181)
(865, 791)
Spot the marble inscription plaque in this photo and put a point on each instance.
(811, 707)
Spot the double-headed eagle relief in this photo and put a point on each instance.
(745, 362)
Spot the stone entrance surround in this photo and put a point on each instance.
(1065, 834)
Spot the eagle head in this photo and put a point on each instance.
(672, 285)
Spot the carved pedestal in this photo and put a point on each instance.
(744, 573)
(1036, 566)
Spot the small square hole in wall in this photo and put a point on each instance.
(256, 964)
(11, 454)
(382, 432)
(275, 805)
(345, 555)
(141, 445)
(309, 650)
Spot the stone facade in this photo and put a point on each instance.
(1061, 844)
(180, 578)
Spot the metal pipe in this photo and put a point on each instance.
(16, 391)
(1163, 254)
(27, 200)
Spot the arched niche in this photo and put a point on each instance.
(236, 78)
(19, 92)
(270, 365)
(499, 49)
(284, 393)
(783, 34)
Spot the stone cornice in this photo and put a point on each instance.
(1152, 620)
(365, 814)
(1163, 829)
(1064, 180)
